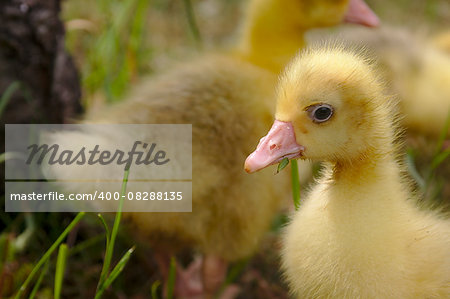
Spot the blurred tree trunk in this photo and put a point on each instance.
(38, 79)
(33, 58)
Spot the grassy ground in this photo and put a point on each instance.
(115, 43)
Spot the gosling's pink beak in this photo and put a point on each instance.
(278, 144)
(359, 13)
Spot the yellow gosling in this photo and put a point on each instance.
(358, 233)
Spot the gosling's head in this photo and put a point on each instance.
(323, 13)
(307, 14)
(330, 106)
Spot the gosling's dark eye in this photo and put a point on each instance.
(320, 113)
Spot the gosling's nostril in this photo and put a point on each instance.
(273, 146)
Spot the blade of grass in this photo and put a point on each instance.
(443, 134)
(106, 229)
(439, 159)
(39, 280)
(439, 155)
(295, 184)
(119, 267)
(115, 272)
(110, 248)
(282, 165)
(20, 243)
(190, 15)
(135, 49)
(232, 275)
(6, 96)
(413, 169)
(4, 248)
(47, 254)
(279, 222)
(86, 244)
(99, 73)
(60, 268)
(234, 272)
(155, 287)
(171, 279)
(11, 155)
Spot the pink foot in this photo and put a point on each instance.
(188, 283)
(202, 279)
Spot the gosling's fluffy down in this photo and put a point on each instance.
(229, 215)
(358, 232)
(442, 41)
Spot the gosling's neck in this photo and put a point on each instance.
(270, 36)
(365, 166)
(373, 174)
(365, 198)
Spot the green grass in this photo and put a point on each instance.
(23, 239)
(114, 273)
(7, 94)
(295, 180)
(48, 253)
(195, 31)
(114, 50)
(413, 171)
(60, 268)
(426, 177)
(295, 184)
(171, 280)
(441, 154)
(154, 289)
(39, 280)
(107, 276)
